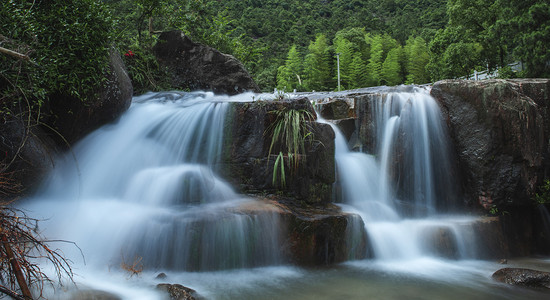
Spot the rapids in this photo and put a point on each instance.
(146, 190)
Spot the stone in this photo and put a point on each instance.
(74, 118)
(337, 109)
(523, 277)
(27, 155)
(248, 164)
(177, 291)
(500, 130)
(198, 67)
(313, 235)
(316, 236)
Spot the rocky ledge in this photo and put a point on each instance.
(500, 130)
(313, 235)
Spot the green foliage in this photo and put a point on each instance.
(67, 43)
(318, 65)
(418, 58)
(289, 76)
(543, 196)
(288, 133)
(346, 52)
(391, 69)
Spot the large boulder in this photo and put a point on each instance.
(73, 118)
(312, 235)
(523, 277)
(27, 154)
(248, 164)
(500, 130)
(198, 67)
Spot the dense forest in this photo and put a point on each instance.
(285, 44)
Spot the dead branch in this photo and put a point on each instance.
(21, 251)
(14, 54)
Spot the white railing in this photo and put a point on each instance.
(517, 66)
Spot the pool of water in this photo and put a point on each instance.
(424, 278)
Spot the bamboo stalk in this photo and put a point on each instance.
(14, 54)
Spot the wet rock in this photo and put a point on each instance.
(500, 129)
(337, 109)
(74, 118)
(441, 241)
(523, 277)
(317, 236)
(27, 154)
(161, 276)
(248, 165)
(347, 127)
(177, 291)
(314, 235)
(490, 239)
(198, 67)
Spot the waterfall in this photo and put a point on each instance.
(146, 189)
(399, 188)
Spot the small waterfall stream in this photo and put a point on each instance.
(409, 158)
(146, 190)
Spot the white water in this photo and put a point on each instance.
(408, 135)
(147, 187)
(145, 190)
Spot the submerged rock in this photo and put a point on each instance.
(177, 291)
(318, 236)
(314, 235)
(523, 277)
(198, 67)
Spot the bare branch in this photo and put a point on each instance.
(14, 54)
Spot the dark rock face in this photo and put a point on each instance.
(322, 235)
(337, 109)
(313, 235)
(27, 154)
(177, 291)
(500, 131)
(199, 67)
(247, 163)
(73, 119)
(523, 277)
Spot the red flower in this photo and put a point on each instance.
(129, 53)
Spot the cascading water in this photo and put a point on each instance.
(146, 187)
(396, 187)
(147, 190)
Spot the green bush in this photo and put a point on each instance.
(543, 196)
(67, 42)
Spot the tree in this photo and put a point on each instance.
(374, 67)
(359, 77)
(418, 58)
(344, 50)
(391, 68)
(530, 20)
(289, 76)
(318, 65)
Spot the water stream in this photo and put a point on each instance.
(145, 190)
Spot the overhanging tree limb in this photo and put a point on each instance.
(14, 54)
